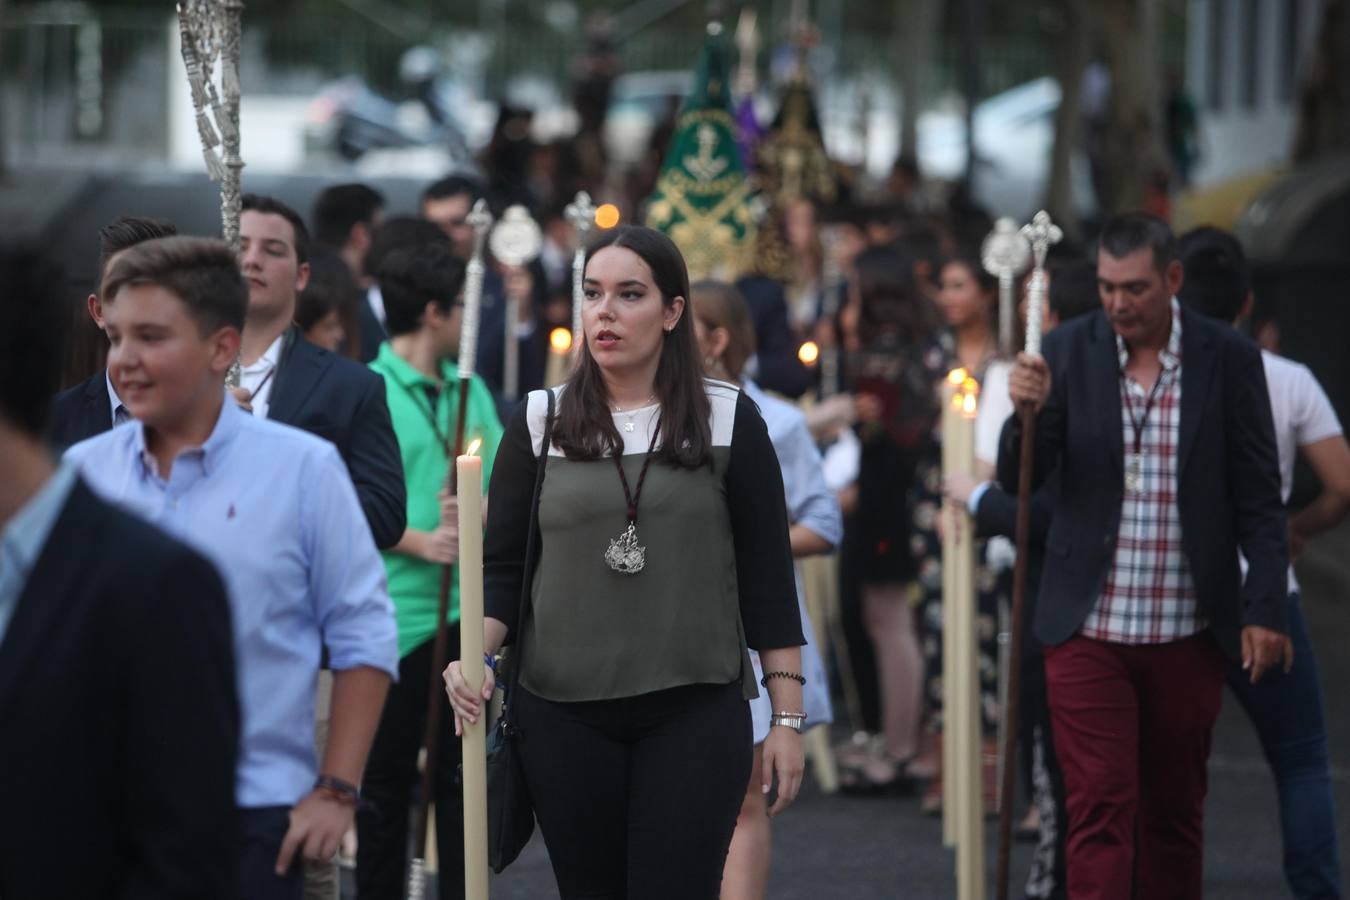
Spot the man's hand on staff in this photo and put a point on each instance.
(1029, 381)
(318, 823)
(467, 705)
(1264, 648)
(441, 545)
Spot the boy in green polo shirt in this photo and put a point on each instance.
(421, 288)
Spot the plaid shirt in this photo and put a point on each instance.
(1149, 595)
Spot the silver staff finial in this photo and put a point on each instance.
(481, 221)
(515, 242)
(1041, 234)
(581, 213)
(1005, 254)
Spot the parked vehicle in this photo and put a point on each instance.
(350, 119)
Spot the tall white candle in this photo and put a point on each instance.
(469, 470)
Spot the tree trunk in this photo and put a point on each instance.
(4, 136)
(1075, 43)
(915, 32)
(1132, 151)
(1324, 101)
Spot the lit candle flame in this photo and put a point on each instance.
(968, 404)
(809, 353)
(607, 215)
(474, 445)
(560, 339)
(957, 377)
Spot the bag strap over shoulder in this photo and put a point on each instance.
(531, 546)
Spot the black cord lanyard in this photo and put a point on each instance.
(423, 401)
(1141, 423)
(632, 498)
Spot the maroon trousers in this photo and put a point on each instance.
(1132, 726)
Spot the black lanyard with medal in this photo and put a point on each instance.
(1134, 459)
(625, 555)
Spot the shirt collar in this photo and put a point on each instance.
(211, 450)
(26, 533)
(405, 375)
(114, 401)
(1169, 355)
(269, 358)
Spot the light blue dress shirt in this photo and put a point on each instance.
(24, 537)
(810, 502)
(274, 508)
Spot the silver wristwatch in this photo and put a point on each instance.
(795, 721)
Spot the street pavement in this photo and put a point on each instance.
(860, 849)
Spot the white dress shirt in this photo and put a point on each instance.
(259, 377)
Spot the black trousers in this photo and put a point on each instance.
(637, 797)
(392, 780)
(261, 831)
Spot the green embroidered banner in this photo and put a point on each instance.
(702, 194)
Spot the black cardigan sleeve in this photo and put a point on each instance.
(510, 493)
(759, 528)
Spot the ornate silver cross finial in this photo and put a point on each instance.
(1005, 254)
(1041, 234)
(581, 213)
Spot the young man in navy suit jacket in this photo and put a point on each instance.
(1158, 423)
(117, 688)
(289, 380)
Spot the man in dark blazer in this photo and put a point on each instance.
(776, 365)
(1159, 427)
(92, 406)
(289, 380)
(117, 688)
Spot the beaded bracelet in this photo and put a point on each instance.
(800, 679)
(343, 791)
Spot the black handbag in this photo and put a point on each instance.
(510, 812)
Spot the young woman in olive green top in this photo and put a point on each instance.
(663, 555)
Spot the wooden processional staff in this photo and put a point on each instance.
(1040, 234)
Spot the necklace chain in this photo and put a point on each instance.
(651, 398)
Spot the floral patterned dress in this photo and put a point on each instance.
(993, 589)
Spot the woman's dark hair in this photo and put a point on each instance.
(988, 284)
(892, 306)
(585, 427)
(719, 305)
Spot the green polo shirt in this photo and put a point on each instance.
(415, 584)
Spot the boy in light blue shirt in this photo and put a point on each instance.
(274, 508)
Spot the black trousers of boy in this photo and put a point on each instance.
(392, 779)
(637, 797)
(261, 831)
